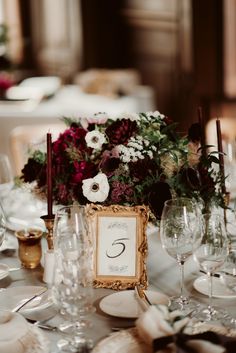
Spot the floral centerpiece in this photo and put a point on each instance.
(131, 160)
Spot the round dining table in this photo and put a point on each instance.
(163, 277)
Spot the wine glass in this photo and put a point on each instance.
(229, 148)
(228, 277)
(2, 225)
(72, 288)
(6, 175)
(210, 256)
(180, 232)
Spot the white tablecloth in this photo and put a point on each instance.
(163, 275)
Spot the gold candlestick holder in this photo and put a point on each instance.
(49, 223)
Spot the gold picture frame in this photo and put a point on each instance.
(120, 242)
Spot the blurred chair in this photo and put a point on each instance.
(29, 138)
(108, 82)
(228, 130)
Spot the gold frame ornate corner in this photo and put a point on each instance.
(99, 215)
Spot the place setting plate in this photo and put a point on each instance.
(14, 296)
(219, 289)
(4, 271)
(124, 305)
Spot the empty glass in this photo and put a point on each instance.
(180, 232)
(228, 276)
(229, 269)
(210, 256)
(6, 175)
(72, 288)
(229, 148)
(2, 225)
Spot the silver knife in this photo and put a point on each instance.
(220, 274)
(28, 300)
(42, 325)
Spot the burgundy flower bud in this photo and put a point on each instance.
(194, 133)
(120, 131)
(142, 168)
(159, 193)
(168, 120)
(109, 165)
(191, 178)
(32, 170)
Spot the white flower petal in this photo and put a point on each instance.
(95, 139)
(101, 183)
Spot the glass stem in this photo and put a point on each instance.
(181, 266)
(210, 275)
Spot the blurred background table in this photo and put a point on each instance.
(69, 101)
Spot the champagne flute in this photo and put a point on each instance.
(72, 290)
(210, 256)
(180, 232)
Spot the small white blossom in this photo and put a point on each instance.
(98, 118)
(146, 143)
(130, 116)
(95, 139)
(96, 189)
(155, 114)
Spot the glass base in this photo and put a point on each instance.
(75, 345)
(184, 304)
(230, 322)
(210, 314)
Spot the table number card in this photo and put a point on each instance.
(119, 237)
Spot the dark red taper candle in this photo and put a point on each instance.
(49, 174)
(221, 155)
(202, 128)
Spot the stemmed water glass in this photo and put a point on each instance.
(210, 256)
(72, 289)
(180, 232)
(2, 225)
(6, 175)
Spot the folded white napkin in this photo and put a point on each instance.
(15, 334)
(18, 336)
(157, 322)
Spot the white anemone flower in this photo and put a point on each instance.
(95, 139)
(96, 189)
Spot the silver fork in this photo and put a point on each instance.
(42, 325)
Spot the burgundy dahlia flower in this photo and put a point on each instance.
(120, 131)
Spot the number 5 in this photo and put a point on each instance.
(119, 243)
